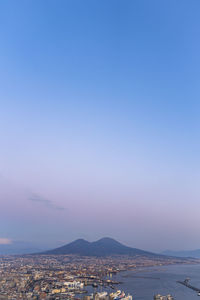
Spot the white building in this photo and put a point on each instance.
(74, 284)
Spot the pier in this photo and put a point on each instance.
(186, 283)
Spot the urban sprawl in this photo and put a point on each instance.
(69, 277)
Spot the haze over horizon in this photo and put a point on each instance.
(99, 122)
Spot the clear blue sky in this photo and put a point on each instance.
(99, 121)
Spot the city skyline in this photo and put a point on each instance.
(99, 122)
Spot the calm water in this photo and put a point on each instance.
(144, 283)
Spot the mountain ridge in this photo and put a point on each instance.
(183, 253)
(19, 247)
(103, 247)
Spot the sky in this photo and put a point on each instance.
(99, 122)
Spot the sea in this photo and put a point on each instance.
(144, 283)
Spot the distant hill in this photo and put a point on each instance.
(102, 247)
(19, 247)
(191, 253)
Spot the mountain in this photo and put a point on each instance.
(189, 253)
(103, 247)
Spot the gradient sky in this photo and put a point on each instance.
(100, 122)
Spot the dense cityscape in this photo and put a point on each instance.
(68, 276)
